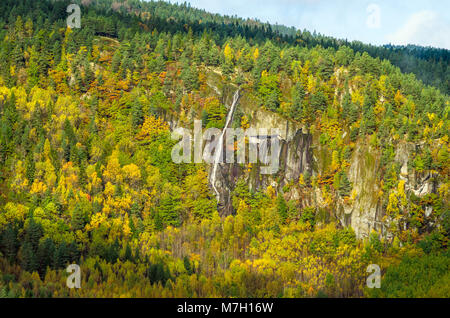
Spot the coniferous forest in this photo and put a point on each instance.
(87, 177)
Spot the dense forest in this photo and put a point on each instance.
(86, 174)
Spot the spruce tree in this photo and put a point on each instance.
(78, 219)
(298, 94)
(344, 185)
(282, 207)
(319, 101)
(45, 256)
(29, 259)
(9, 243)
(137, 115)
(61, 257)
(33, 233)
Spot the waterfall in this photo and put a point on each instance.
(219, 147)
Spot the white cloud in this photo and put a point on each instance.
(426, 28)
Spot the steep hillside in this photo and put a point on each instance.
(87, 174)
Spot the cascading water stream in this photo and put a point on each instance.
(219, 147)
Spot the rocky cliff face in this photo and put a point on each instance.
(295, 157)
(363, 213)
(302, 154)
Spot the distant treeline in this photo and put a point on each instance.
(116, 17)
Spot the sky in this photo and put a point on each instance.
(421, 22)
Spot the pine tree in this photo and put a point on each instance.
(272, 101)
(137, 255)
(30, 167)
(61, 257)
(137, 115)
(269, 91)
(82, 175)
(112, 253)
(116, 60)
(29, 260)
(308, 215)
(298, 94)
(344, 185)
(78, 219)
(346, 106)
(128, 256)
(73, 252)
(67, 150)
(9, 243)
(187, 265)
(132, 227)
(282, 207)
(369, 123)
(158, 221)
(33, 233)
(169, 211)
(45, 256)
(319, 101)
(189, 76)
(326, 67)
